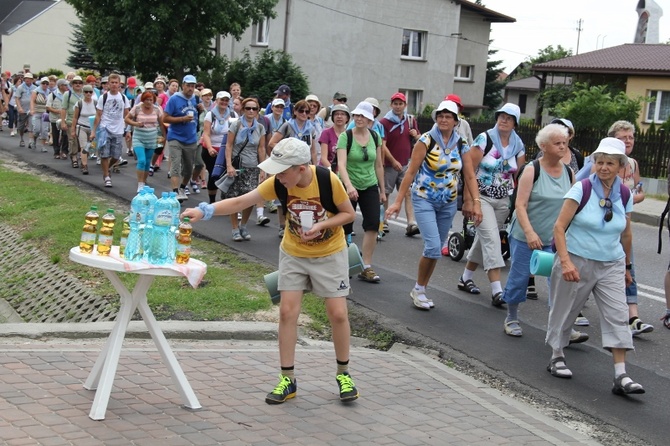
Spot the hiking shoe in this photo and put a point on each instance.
(195, 187)
(348, 391)
(285, 390)
(237, 236)
(369, 275)
(412, 230)
(181, 196)
(419, 299)
(581, 321)
(531, 293)
(638, 327)
(245, 234)
(577, 337)
(262, 220)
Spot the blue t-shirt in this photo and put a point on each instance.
(288, 109)
(178, 106)
(589, 235)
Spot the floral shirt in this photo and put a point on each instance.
(439, 174)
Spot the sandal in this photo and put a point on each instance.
(556, 370)
(666, 321)
(497, 299)
(84, 169)
(468, 286)
(630, 388)
(75, 163)
(63, 156)
(512, 328)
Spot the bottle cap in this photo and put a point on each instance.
(186, 219)
(94, 208)
(110, 211)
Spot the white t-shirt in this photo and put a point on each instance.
(87, 109)
(112, 114)
(218, 130)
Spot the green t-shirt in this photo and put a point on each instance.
(361, 172)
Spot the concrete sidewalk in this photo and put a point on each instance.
(407, 396)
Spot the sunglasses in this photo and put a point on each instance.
(343, 100)
(251, 108)
(302, 110)
(607, 204)
(88, 92)
(366, 157)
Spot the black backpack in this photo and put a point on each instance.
(325, 191)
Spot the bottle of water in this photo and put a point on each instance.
(124, 235)
(174, 227)
(160, 239)
(89, 231)
(106, 236)
(183, 253)
(133, 251)
(148, 203)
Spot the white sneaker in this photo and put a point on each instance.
(122, 161)
(262, 220)
(637, 327)
(186, 191)
(98, 161)
(13, 133)
(181, 196)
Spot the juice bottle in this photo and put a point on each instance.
(184, 241)
(124, 235)
(90, 230)
(106, 236)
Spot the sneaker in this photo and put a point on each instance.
(419, 299)
(245, 234)
(285, 390)
(44, 149)
(577, 337)
(369, 275)
(31, 145)
(638, 327)
(108, 182)
(237, 236)
(13, 133)
(272, 207)
(281, 232)
(348, 391)
(22, 143)
(195, 187)
(181, 196)
(385, 228)
(186, 191)
(92, 156)
(531, 293)
(98, 161)
(445, 250)
(262, 220)
(412, 230)
(151, 171)
(582, 321)
(122, 161)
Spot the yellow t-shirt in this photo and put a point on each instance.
(307, 199)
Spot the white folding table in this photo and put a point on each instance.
(104, 370)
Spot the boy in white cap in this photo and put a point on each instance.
(313, 259)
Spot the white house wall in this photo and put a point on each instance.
(473, 50)
(354, 47)
(43, 42)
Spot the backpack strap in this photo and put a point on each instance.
(489, 143)
(350, 138)
(325, 191)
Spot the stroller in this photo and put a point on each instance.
(459, 242)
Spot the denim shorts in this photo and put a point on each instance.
(434, 221)
(112, 149)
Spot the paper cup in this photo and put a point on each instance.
(541, 263)
(306, 220)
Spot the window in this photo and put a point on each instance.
(523, 99)
(414, 98)
(464, 72)
(413, 44)
(658, 109)
(261, 31)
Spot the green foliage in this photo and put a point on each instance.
(552, 96)
(544, 55)
(493, 89)
(81, 57)
(427, 111)
(258, 77)
(171, 37)
(596, 107)
(48, 72)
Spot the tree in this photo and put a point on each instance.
(170, 37)
(80, 55)
(595, 107)
(544, 55)
(493, 88)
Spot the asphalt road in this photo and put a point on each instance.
(469, 324)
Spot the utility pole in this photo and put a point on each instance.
(579, 33)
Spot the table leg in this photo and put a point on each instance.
(176, 372)
(104, 370)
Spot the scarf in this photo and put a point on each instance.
(306, 129)
(274, 124)
(245, 132)
(397, 122)
(512, 150)
(597, 188)
(217, 114)
(436, 136)
(58, 94)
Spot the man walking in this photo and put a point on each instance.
(70, 99)
(181, 113)
(23, 94)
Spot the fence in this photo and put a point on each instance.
(651, 150)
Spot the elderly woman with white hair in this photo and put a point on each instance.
(593, 250)
(432, 176)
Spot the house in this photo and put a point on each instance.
(37, 33)
(426, 49)
(640, 70)
(525, 93)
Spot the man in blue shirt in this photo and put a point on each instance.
(283, 93)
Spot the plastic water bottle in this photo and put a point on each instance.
(160, 243)
(183, 253)
(174, 227)
(125, 231)
(89, 231)
(106, 236)
(149, 201)
(133, 251)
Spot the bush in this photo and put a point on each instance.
(48, 72)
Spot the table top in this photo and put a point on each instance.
(113, 263)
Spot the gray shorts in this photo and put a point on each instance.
(182, 158)
(324, 276)
(24, 123)
(112, 149)
(393, 178)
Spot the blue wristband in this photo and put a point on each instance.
(207, 209)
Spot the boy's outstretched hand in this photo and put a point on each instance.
(194, 214)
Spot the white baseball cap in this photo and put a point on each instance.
(287, 153)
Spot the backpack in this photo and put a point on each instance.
(536, 175)
(325, 191)
(350, 138)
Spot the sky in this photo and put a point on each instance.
(540, 23)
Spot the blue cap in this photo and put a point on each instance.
(189, 79)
